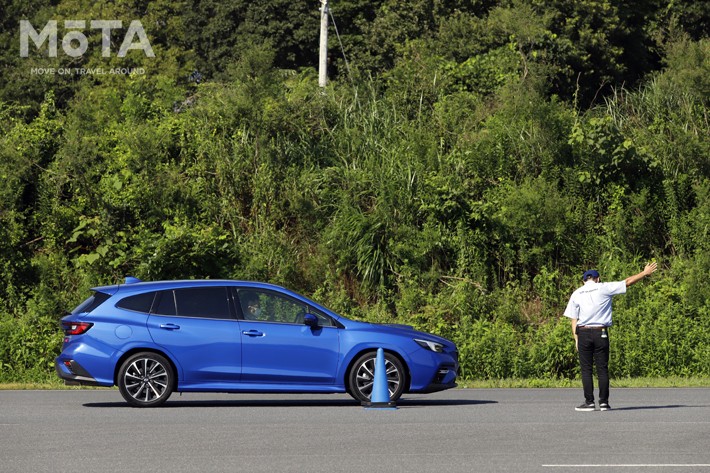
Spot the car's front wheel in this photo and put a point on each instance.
(145, 380)
(361, 377)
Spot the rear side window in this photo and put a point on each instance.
(201, 302)
(166, 304)
(210, 302)
(95, 300)
(139, 302)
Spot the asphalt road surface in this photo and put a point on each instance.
(461, 430)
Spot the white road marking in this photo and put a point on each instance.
(636, 465)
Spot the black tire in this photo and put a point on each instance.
(146, 380)
(361, 376)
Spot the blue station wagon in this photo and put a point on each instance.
(154, 338)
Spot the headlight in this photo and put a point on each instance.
(429, 345)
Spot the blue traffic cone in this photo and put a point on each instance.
(380, 396)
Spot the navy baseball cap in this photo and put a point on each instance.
(592, 272)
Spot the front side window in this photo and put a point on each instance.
(323, 320)
(270, 307)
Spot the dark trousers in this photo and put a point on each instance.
(594, 350)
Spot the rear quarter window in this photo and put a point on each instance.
(91, 303)
(138, 303)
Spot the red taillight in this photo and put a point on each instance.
(76, 328)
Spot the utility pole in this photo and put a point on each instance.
(323, 62)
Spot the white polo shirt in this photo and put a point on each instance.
(591, 303)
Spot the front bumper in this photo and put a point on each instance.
(445, 378)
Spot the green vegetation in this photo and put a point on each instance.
(474, 161)
(666, 382)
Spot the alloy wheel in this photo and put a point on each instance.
(146, 380)
(364, 377)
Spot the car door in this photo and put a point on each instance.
(278, 348)
(197, 328)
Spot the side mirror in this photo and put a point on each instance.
(310, 320)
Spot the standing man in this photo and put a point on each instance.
(589, 308)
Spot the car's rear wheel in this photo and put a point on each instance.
(146, 380)
(361, 377)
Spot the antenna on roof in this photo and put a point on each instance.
(131, 280)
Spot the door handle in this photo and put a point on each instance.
(253, 333)
(170, 326)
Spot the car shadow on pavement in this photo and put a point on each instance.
(402, 403)
(441, 402)
(640, 408)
